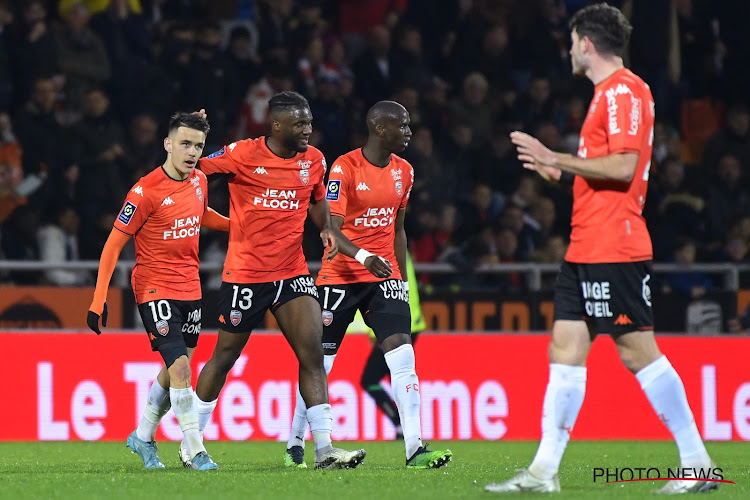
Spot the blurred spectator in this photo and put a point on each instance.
(728, 199)
(213, 87)
(539, 222)
(307, 25)
(310, 65)
(6, 73)
(330, 116)
(11, 173)
(102, 158)
(243, 57)
(83, 58)
(482, 207)
(690, 283)
(273, 29)
(536, 104)
(373, 70)
(408, 62)
(58, 242)
(673, 209)
(733, 138)
(144, 146)
(18, 241)
(253, 116)
(473, 107)
(126, 39)
(34, 50)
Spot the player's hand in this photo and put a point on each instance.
(201, 113)
(378, 266)
(536, 156)
(329, 242)
(93, 319)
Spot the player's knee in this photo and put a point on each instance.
(171, 352)
(179, 372)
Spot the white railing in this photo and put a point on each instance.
(730, 273)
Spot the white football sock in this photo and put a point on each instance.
(183, 405)
(205, 409)
(405, 385)
(665, 391)
(157, 405)
(562, 402)
(299, 421)
(320, 418)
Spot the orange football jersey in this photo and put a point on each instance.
(368, 198)
(164, 217)
(607, 222)
(268, 201)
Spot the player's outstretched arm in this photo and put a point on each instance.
(399, 244)
(536, 156)
(214, 220)
(107, 263)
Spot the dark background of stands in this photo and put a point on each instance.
(87, 88)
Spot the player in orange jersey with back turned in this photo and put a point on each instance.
(163, 212)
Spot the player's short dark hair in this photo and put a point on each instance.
(605, 25)
(188, 120)
(285, 101)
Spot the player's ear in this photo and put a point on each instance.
(168, 144)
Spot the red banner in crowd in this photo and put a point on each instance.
(474, 386)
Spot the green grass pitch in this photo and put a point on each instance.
(255, 470)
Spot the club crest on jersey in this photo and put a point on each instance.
(217, 153)
(127, 213)
(327, 318)
(162, 327)
(399, 189)
(333, 191)
(235, 317)
(304, 176)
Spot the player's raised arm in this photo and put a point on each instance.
(399, 245)
(107, 263)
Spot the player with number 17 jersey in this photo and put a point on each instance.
(607, 221)
(269, 198)
(368, 198)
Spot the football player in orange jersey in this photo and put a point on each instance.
(368, 190)
(163, 212)
(603, 284)
(275, 183)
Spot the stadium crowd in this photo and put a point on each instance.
(86, 86)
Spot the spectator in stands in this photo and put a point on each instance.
(310, 66)
(331, 118)
(126, 39)
(11, 173)
(478, 213)
(6, 69)
(408, 59)
(374, 69)
(253, 115)
(690, 283)
(728, 199)
(144, 146)
(733, 138)
(243, 57)
(58, 243)
(100, 144)
(473, 107)
(34, 50)
(83, 57)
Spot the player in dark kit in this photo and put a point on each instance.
(163, 212)
(368, 190)
(273, 182)
(603, 285)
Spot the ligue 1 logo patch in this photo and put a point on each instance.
(327, 318)
(235, 317)
(333, 191)
(399, 189)
(304, 176)
(127, 213)
(162, 327)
